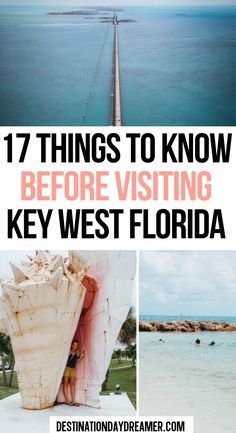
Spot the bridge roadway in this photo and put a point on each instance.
(115, 99)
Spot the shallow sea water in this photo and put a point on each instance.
(177, 67)
(180, 378)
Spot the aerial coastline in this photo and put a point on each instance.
(166, 59)
(92, 14)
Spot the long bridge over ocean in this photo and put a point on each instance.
(115, 98)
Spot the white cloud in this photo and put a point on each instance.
(195, 281)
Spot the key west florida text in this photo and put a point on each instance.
(190, 159)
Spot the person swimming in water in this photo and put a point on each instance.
(69, 376)
(198, 341)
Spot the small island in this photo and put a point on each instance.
(127, 21)
(91, 11)
(186, 326)
(74, 13)
(110, 20)
(92, 14)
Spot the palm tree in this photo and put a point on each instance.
(126, 336)
(6, 355)
(131, 353)
(127, 333)
(118, 355)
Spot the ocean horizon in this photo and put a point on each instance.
(197, 318)
(177, 66)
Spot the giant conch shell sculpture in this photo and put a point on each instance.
(51, 300)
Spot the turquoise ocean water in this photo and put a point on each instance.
(165, 319)
(177, 67)
(181, 378)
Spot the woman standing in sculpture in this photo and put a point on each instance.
(69, 377)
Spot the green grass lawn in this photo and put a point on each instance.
(116, 364)
(122, 373)
(125, 376)
(6, 391)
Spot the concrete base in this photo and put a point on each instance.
(14, 418)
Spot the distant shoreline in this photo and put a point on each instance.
(87, 11)
(186, 326)
(74, 13)
(91, 15)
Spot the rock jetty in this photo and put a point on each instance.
(186, 326)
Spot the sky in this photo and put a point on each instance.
(11, 256)
(191, 283)
(121, 2)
